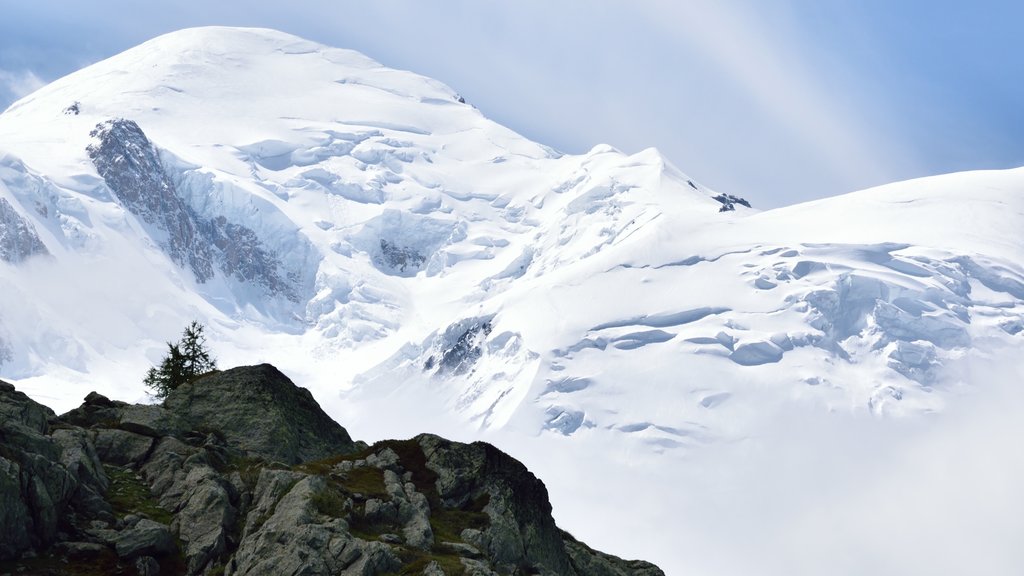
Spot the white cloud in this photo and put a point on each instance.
(19, 83)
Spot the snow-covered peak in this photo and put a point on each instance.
(307, 187)
(241, 87)
(423, 268)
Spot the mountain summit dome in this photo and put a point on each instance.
(421, 267)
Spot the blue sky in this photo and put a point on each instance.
(780, 101)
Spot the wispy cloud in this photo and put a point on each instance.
(827, 120)
(18, 83)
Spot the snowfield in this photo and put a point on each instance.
(696, 381)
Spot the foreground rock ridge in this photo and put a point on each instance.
(241, 472)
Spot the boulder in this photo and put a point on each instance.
(522, 531)
(120, 447)
(96, 410)
(206, 518)
(146, 538)
(81, 551)
(297, 539)
(14, 513)
(147, 566)
(260, 411)
(39, 476)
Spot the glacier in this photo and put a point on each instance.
(422, 268)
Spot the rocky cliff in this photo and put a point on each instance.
(241, 473)
(130, 166)
(18, 239)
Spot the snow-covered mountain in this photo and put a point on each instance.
(421, 267)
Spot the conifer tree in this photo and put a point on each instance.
(185, 360)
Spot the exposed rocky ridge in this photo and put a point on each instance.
(18, 239)
(241, 473)
(131, 168)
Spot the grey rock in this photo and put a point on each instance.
(417, 530)
(270, 488)
(461, 346)
(386, 458)
(18, 238)
(462, 549)
(80, 458)
(476, 568)
(164, 470)
(150, 420)
(120, 447)
(146, 538)
(433, 569)
(18, 410)
(130, 520)
(131, 167)
(522, 531)
(147, 566)
(36, 487)
(206, 518)
(396, 259)
(96, 410)
(290, 427)
(104, 536)
(380, 512)
(79, 550)
(295, 522)
(295, 539)
(593, 563)
(14, 513)
(475, 537)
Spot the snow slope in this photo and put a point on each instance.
(423, 268)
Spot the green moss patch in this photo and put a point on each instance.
(128, 494)
(448, 524)
(415, 561)
(105, 565)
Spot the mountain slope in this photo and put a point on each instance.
(110, 485)
(369, 232)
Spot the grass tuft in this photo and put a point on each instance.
(128, 494)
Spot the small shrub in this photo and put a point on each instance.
(330, 502)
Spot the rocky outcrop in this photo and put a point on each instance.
(519, 528)
(131, 168)
(261, 412)
(728, 201)
(241, 473)
(49, 478)
(18, 239)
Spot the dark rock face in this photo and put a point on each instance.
(520, 527)
(241, 473)
(729, 202)
(18, 239)
(129, 164)
(46, 480)
(241, 254)
(131, 167)
(260, 411)
(460, 347)
(399, 258)
(593, 563)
